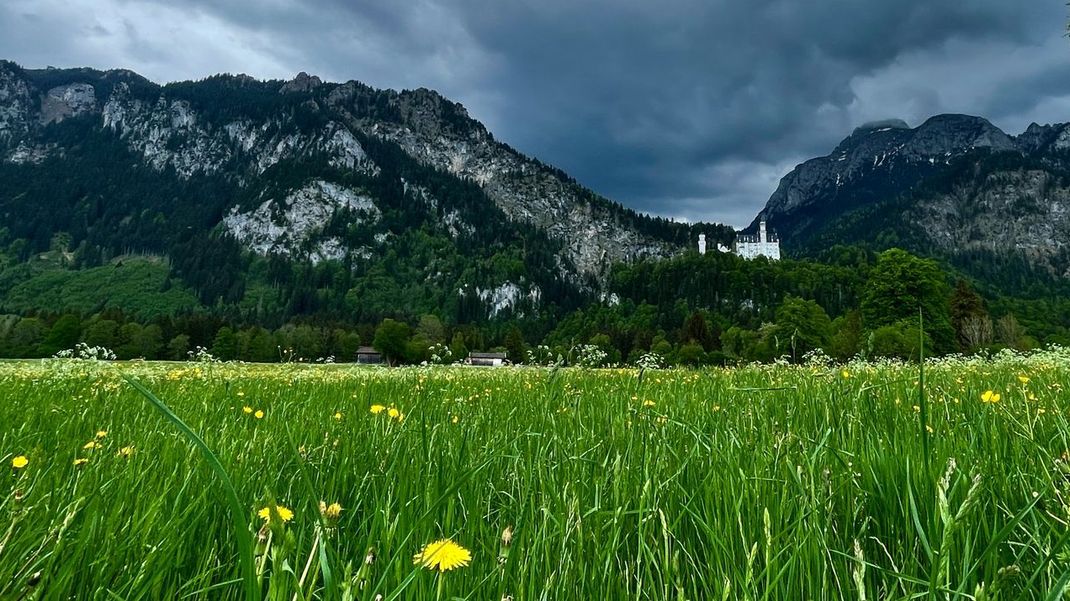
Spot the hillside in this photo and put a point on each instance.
(956, 187)
(270, 199)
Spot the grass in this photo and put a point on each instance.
(763, 482)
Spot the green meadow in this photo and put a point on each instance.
(865, 481)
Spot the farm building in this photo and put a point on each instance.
(369, 356)
(486, 359)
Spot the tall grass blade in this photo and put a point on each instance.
(242, 534)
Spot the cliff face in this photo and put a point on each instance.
(954, 185)
(239, 129)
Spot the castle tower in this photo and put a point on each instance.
(702, 244)
(761, 232)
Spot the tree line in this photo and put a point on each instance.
(690, 310)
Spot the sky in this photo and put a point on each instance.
(689, 109)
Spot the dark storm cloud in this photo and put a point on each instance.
(685, 108)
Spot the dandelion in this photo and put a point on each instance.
(92, 444)
(442, 555)
(989, 397)
(126, 452)
(331, 512)
(284, 513)
(1023, 379)
(648, 403)
(377, 409)
(846, 374)
(79, 462)
(20, 462)
(395, 414)
(337, 416)
(259, 414)
(101, 434)
(455, 419)
(247, 410)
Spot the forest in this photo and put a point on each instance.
(689, 310)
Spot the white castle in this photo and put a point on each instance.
(765, 244)
(748, 246)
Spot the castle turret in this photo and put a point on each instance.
(702, 244)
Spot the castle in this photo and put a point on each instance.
(748, 246)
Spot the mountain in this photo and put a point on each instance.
(275, 198)
(956, 187)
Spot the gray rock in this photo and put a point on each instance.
(66, 101)
(302, 83)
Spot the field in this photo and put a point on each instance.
(865, 481)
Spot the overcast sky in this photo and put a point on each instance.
(691, 109)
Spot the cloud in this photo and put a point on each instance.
(683, 108)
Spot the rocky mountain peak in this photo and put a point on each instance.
(881, 125)
(1041, 138)
(302, 83)
(955, 183)
(944, 134)
(881, 156)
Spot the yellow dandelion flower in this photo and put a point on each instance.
(1023, 379)
(79, 462)
(393, 413)
(92, 444)
(455, 419)
(102, 433)
(377, 409)
(126, 452)
(247, 410)
(259, 414)
(442, 555)
(649, 403)
(337, 416)
(330, 512)
(989, 397)
(846, 374)
(284, 513)
(20, 462)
